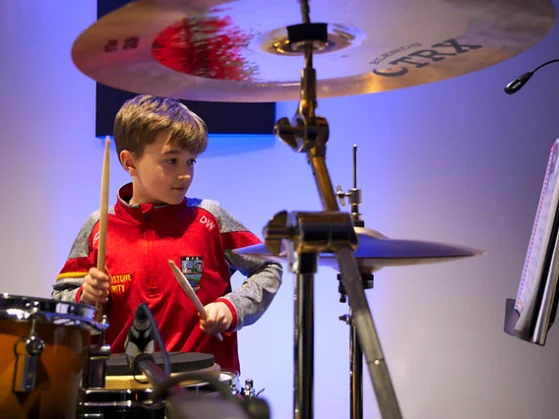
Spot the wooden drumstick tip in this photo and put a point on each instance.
(103, 210)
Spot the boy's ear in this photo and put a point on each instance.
(128, 162)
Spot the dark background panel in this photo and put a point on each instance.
(221, 118)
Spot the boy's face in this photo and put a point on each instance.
(163, 174)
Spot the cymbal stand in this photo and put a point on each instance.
(308, 133)
(367, 279)
(307, 234)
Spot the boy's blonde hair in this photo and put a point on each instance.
(141, 118)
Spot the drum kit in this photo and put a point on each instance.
(251, 51)
(55, 364)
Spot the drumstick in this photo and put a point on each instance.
(103, 212)
(190, 292)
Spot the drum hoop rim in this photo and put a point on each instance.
(118, 393)
(24, 308)
(123, 404)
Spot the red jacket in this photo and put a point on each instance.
(198, 235)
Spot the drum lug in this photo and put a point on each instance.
(234, 388)
(248, 391)
(27, 351)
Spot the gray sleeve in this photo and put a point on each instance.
(66, 289)
(254, 296)
(78, 263)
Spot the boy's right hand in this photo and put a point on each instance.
(95, 288)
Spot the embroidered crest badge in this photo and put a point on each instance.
(192, 268)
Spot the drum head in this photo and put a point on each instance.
(117, 365)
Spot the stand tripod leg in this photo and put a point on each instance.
(368, 336)
(361, 315)
(356, 371)
(304, 337)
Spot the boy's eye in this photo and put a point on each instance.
(191, 161)
(172, 161)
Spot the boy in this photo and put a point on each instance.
(157, 141)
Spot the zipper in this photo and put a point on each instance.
(150, 277)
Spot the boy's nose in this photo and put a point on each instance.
(185, 176)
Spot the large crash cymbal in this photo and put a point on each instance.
(236, 51)
(376, 251)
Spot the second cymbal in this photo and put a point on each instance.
(376, 251)
(237, 51)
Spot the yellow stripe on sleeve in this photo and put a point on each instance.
(71, 275)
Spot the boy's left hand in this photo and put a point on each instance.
(219, 318)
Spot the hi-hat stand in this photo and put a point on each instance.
(367, 279)
(307, 234)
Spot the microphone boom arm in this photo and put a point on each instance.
(517, 84)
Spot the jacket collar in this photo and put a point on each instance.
(142, 212)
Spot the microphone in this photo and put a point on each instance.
(139, 347)
(183, 405)
(141, 337)
(257, 408)
(517, 84)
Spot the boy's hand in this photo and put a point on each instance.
(95, 288)
(219, 318)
